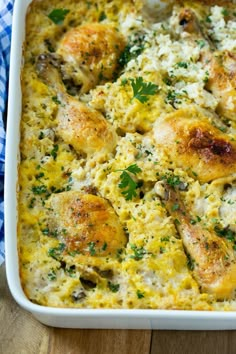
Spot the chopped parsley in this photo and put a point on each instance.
(194, 221)
(128, 182)
(172, 97)
(141, 89)
(182, 64)
(39, 189)
(39, 175)
(172, 180)
(132, 50)
(140, 295)
(32, 203)
(139, 252)
(190, 262)
(206, 77)
(54, 151)
(57, 251)
(175, 207)
(41, 135)
(58, 15)
(52, 275)
(226, 233)
(201, 43)
(56, 100)
(102, 16)
(104, 246)
(92, 250)
(113, 287)
(225, 12)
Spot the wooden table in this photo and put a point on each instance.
(20, 333)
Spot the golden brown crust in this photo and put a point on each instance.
(195, 145)
(85, 129)
(88, 224)
(94, 49)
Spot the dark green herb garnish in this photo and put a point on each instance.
(190, 262)
(141, 89)
(139, 252)
(225, 12)
(41, 135)
(57, 251)
(113, 287)
(201, 43)
(140, 295)
(102, 16)
(128, 183)
(130, 53)
(32, 203)
(182, 64)
(39, 175)
(175, 207)
(104, 246)
(172, 180)
(172, 97)
(58, 15)
(225, 232)
(92, 250)
(39, 189)
(56, 100)
(54, 151)
(52, 275)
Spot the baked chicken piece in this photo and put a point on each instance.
(78, 125)
(192, 143)
(91, 54)
(86, 223)
(221, 66)
(211, 258)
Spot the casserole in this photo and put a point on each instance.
(115, 318)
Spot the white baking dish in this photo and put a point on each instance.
(75, 318)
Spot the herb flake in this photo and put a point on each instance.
(58, 15)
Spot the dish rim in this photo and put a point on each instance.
(10, 211)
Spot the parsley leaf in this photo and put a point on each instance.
(102, 16)
(141, 89)
(92, 250)
(58, 15)
(39, 189)
(139, 252)
(182, 64)
(128, 183)
(54, 151)
(225, 12)
(140, 295)
(57, 251)
(134, 169)
(172, 180)
(113, 287)
(132, 50)
(52, 275)
(201, 43)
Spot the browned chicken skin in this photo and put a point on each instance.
(87, 224)
(211, 258)
(78, 125)
(194, 144)
(93, 51)
(220, 66)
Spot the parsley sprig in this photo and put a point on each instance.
(128, 182)
(141, 89)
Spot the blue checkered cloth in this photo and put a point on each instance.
(6, 9)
